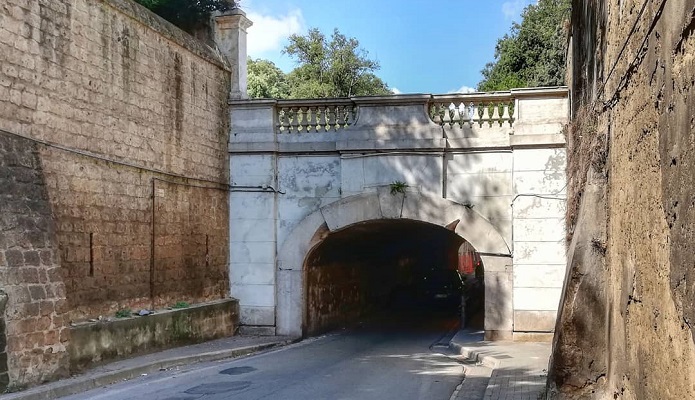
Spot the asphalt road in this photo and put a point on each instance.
(385, 361)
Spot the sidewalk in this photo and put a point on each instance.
(507, 370)
(235, 346)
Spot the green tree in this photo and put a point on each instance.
(265, 80)
(187, 14)
(331, 68)
(533, 53)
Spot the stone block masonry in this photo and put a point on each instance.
(35, 333)
(113, 137)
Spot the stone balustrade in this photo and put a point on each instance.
(514, 118)
(297, 116)
(474, 109)
(471, 110)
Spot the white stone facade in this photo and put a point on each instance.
(503, 176)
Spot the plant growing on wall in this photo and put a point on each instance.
(124, 313)
(398, 187)
(180, 304)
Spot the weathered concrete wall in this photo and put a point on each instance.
(488, 167)
(625, 325)
(122, 98)
(103, 341)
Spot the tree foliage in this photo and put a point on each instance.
(265, 80)
(335, 67)
(533, 53)
(187, 14)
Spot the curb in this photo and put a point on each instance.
(84, 383)
(474, 356)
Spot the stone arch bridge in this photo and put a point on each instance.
(318, 230)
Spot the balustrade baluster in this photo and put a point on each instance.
(461, 112)
(330, 118)
(290, 120)
(475, 118)
(281, 120)
(338, 117)
(309, 125)
(451, 114)
(320, 118)
(505, 114)
(296, 115)
(316, 117)
(349, 115)
(303, 123)
(470, 110)
(495, 114)
(442, 114)
(486, 115)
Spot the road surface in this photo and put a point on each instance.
(399, 361)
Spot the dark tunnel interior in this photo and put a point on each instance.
(389, 268)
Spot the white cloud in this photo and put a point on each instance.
(269, 32)
(512, 9)
(395, 90)
(463, 89)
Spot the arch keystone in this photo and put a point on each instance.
(351, 210)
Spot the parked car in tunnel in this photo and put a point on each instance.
(429, 290)
(434, 289)
(441, 288)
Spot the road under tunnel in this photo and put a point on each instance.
(391, 269)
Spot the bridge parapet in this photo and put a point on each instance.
(412, 121)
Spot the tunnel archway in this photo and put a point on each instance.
(494, 252)
(387, 271)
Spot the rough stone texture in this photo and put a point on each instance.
(34, 336)
(191, 239)
(579, 361)
(99, 342)
(111, 80)
(636, 339)
(115, 88)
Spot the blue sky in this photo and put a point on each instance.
(436, 46)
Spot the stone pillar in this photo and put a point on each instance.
(230, 37)
(499, 310)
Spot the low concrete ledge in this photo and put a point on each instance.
(97, 342)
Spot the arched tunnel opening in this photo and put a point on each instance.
(385, 271)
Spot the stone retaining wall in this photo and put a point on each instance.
(113, 133)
